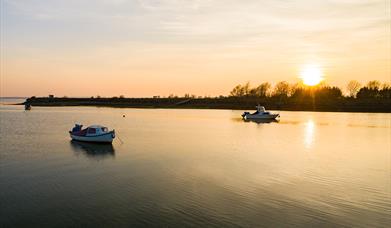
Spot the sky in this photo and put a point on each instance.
(141, 48)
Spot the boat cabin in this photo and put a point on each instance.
(96, 130)
(89, 131)
(260, 110)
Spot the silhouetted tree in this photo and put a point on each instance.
(293, 88)
(246, 89)
(328, 92)
(373, 85)
(300, 93)
(240, 91)
(386, 86)
(353, 87)
(281, 89)
(237, 91)
(262, 90)
(365, 92)
(370, 91)
(252, 92)
(321, 94)
(385, 92)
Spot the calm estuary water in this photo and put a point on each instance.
(201, 168)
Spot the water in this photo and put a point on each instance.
(194, 168)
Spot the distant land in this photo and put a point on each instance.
(374, 97)
(13, 97)
(341, 104)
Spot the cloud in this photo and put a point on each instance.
(173, 5)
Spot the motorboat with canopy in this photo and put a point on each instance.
(261, 113)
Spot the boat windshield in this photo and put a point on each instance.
(91, 131)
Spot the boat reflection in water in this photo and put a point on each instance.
(261, 121)
(93, 150)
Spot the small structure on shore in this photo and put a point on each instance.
(27, 106)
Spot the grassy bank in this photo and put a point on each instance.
(341, 104)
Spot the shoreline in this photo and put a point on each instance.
(227, 103)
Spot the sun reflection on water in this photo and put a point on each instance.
(309, 133)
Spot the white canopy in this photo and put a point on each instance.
(260, 109)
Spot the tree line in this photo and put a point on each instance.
(372, 97)
(372, 90)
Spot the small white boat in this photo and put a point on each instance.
(94, 133)
(260, 114)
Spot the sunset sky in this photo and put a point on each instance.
(205, 47)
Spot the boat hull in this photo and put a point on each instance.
(103, 138)
(261, 117)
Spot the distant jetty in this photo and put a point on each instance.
(342, 104)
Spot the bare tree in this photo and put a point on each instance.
(294, 87)
(263, 89)
(246, 89)
(386, 85)
(353, 87)
(281, 89)
(375, 85)
(253, 92)
(241, 91)
(237, 91)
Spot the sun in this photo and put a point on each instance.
(311, 75)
